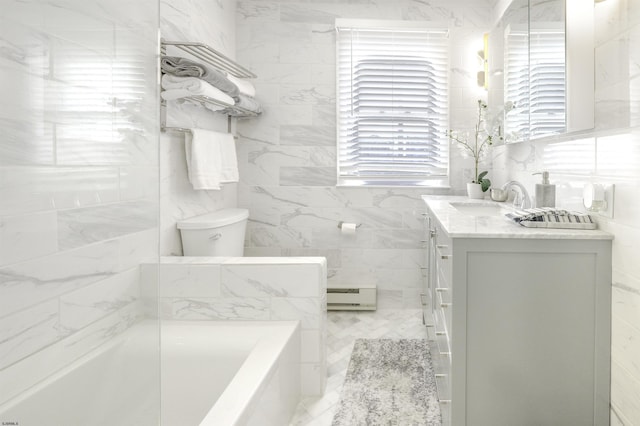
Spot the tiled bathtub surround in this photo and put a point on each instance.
(78, 178)
(248, 288)
(608, 154)
(287, 156)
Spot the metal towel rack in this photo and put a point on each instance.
(211, 57)
(217, 60)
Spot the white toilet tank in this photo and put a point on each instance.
(220, 233)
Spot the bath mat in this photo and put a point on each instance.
(389, 382)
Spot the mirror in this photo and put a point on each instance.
(541, 69)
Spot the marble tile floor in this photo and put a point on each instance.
(343, 328)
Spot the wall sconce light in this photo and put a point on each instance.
(483, 75)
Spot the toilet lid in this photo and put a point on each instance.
(214, 219)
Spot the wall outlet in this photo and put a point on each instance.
(609, 198)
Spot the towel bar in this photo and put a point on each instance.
(183, 130)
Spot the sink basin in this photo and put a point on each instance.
(479, 209)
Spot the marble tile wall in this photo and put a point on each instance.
(78, 177)
(247, 289)
(212, 23)
(287, 155)
(610, 155)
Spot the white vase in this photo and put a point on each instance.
(474, 190)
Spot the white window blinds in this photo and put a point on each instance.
(516, 82)
(535, 82)
(547, 99)
(392, 105)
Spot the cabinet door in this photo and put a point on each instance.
(530, 338)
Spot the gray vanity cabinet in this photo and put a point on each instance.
(521, 328)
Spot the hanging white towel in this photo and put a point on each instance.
(211, 159)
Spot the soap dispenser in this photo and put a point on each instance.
(545, 192)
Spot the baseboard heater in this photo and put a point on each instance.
(351, 298)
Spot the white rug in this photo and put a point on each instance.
(389, 382)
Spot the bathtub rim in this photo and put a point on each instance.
(254, 373)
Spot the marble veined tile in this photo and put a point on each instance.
(177, 23)
(258, 11)
(270, 281)
(33, 189)
(88, 304)
(331, 217)
(307, 176)
(625, 393)
(275, 33)
(28, 283)
(333, 256)
(264, 235)
(369, 258)
(324, 115)
(625, 341)
(310, 53)
(306, 95)
(138, 182)
(26, 141)
(332, 238)
(244, 308)
(190, 280)
(307, 310)
(137, 248)
(397, 198)
(80, 227)
(27, 331)
(269, 73)
(308, 135)
(26, 237)
(397, 238)
(284, 198)
(306, 14)
(25, 49)
(301, 217)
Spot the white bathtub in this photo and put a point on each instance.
(254, 378)
(213, 373)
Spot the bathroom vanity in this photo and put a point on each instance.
(520, 317)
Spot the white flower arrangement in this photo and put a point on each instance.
(479, 146)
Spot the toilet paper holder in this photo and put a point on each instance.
(358, 225)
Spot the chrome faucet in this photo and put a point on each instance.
(521, 200)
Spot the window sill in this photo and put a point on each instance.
(363, 183)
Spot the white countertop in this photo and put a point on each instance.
(460, 225)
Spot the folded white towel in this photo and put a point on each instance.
(181, 87)
(211, 159)
(244, 86)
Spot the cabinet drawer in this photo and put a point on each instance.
(441, 363)
(443, 386)
(443, 266)
(445, 412)
(444, 305)
(441, 333)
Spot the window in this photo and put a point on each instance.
(392, 104)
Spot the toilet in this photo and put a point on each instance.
(220, 233)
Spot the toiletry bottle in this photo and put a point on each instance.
(545, 192)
